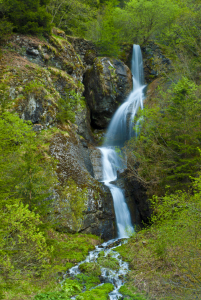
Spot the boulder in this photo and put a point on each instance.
(107, 84)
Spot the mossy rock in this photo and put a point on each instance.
(90, 268)
(108, 262)
(99, 293)
(88, 281)
(89, 56)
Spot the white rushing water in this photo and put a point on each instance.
(116, 277)
(120, 130)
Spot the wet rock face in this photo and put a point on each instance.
(107, 84)
(74, 162)
(37, 109)
(136, 198)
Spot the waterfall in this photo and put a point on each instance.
(120, 130)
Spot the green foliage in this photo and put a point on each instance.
(69, 249)
(69, 289)
(169, 250)
(88, 281)
(68, 106)
(6, 28)
(130, 292)
(142, 21)
(27, 173)
(105, 32)
(167, 148)
(28, 16)
(183, 39)
(23, 247)
(134, 22)
(72, 16)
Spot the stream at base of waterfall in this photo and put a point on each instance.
(120, 130)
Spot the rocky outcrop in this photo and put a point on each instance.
(38, 73)
(107, 84)
(74, 163)
(86, 49)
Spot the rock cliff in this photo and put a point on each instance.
(44, 81)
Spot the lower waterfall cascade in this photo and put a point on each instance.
(120, 130)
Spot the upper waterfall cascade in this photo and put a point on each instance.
(120, 130)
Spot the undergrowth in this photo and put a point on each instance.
(68, 249)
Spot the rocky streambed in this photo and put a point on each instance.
(102, 268)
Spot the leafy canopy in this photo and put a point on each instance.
(28, 16)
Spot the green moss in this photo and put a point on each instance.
(88, 281)
(108, 261)
(90, 268)
(59, 37)
(99, 293)
(69, 249)
(130, 292)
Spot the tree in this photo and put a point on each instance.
(166, 151)
(72, 16)
(142, 20)
(27, 178)
(28, 16)
(26, 172)
(105, 30)
(23, 248)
